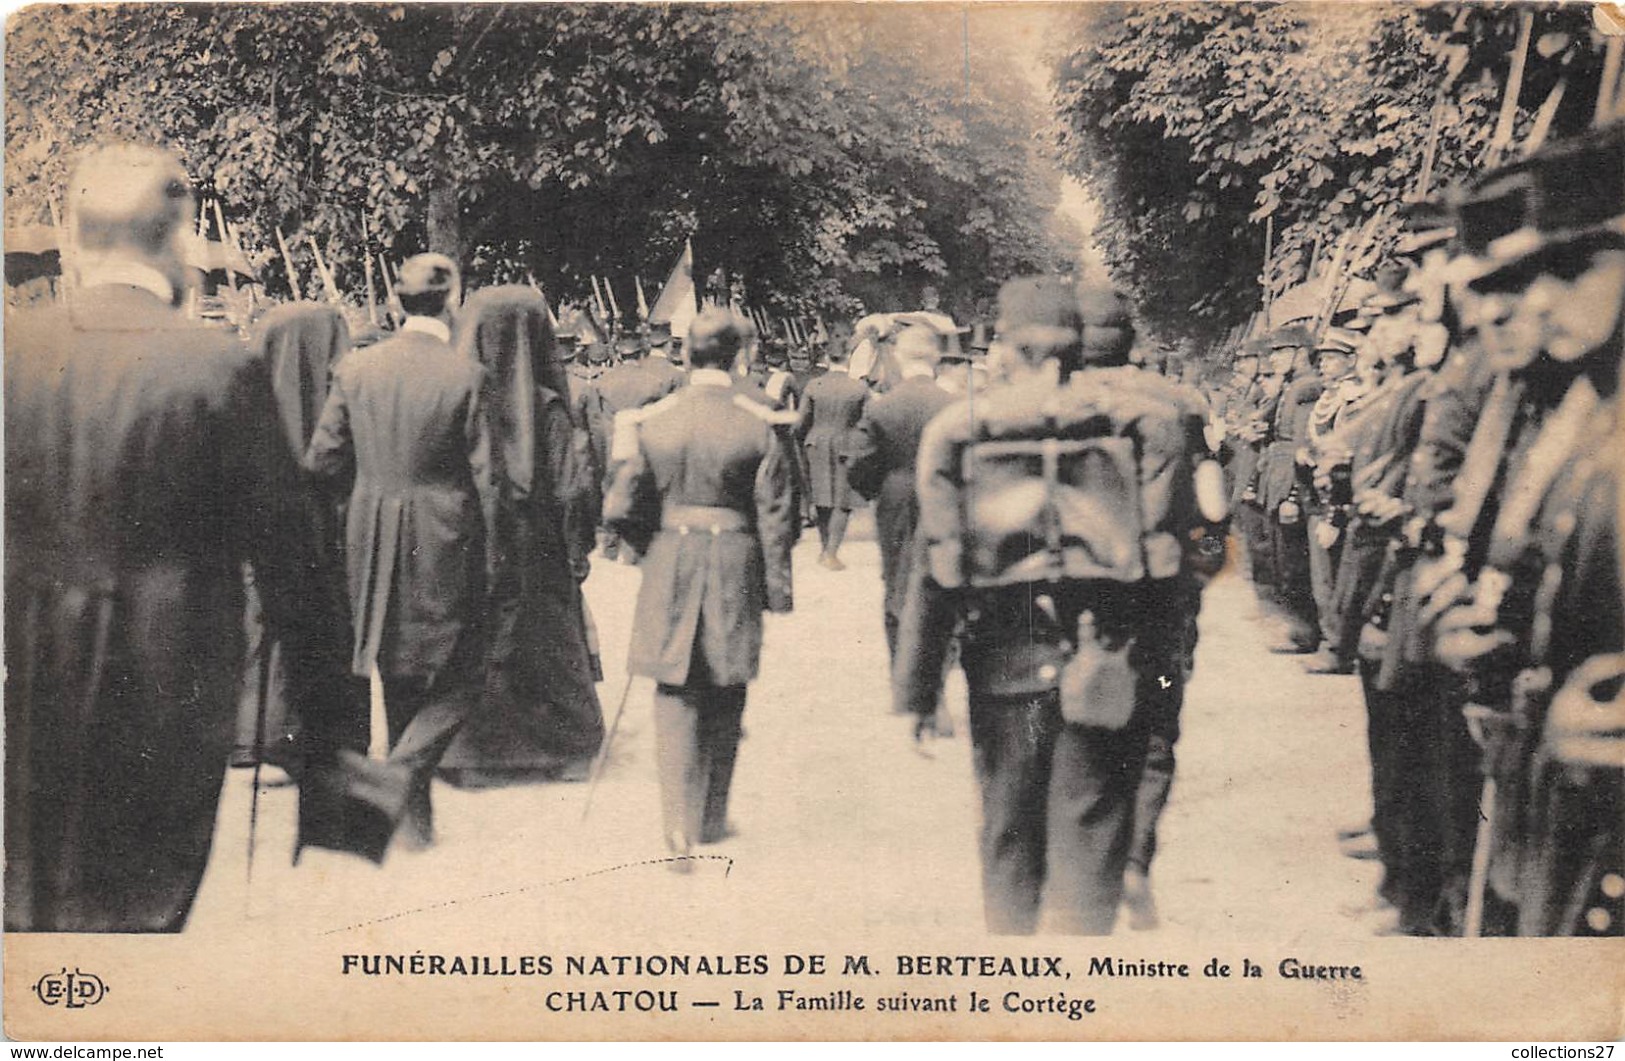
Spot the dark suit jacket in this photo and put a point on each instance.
(831, 406)
(882, 452)
(402, 430)
(145, 463)
(699, 611)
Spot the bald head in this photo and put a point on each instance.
(129, 199)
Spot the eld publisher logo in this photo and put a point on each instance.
(74, 990)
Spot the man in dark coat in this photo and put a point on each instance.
(144, 464)
(1073, 625)
(403, 434)
(882, 452)
(831, 406)
(702, 491)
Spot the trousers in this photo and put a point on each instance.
(1058, 813)
(697, 730)
(1323, 578)
(424, 716)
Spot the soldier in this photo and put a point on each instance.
(402, 434)
(1250, 426)
(1334, 355)
(1534, 607)
(1279, 495)
(1070, 629)
(881, 462)
(634, 384)
(145, 462)
(702, 491)
(832, 405)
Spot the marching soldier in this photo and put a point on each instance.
(1070, 629)
(702, 491)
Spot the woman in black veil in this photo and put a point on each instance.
(541, 719)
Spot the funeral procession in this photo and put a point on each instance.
(1122, 468)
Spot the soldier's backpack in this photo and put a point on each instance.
(1051, 509)
(1091, 482)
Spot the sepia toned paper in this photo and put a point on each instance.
(848, 906)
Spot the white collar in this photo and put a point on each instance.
(130, 273)
(917, 370)
(428, 326)
(709, 377)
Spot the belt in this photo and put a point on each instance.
(705, 519)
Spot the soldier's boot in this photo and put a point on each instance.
(1138, 900)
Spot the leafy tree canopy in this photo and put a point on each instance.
(824, 160)
(1195, 126)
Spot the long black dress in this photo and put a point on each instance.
(541, 717)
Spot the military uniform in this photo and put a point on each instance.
(702, 491)
(1533, 614)
(1067, 627)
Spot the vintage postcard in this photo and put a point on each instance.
(827, 521)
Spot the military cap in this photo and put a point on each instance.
(1573, 197)
(424, 274)
(1337, 341)
(1108, 323)
(125, 194)
(1039, 302)
(1293, 335)
(1487, 212)
(659, 333)
(981, 337)
(597, 352)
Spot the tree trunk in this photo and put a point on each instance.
(445, 218)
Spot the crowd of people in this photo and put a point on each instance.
(1420, 483)
(1426, 487)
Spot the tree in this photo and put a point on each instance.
(1196, 126)
(813, 158)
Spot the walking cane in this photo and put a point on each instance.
(261, 710)
(1478, 880)
(603, 752)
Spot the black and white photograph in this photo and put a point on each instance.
(814, 521)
